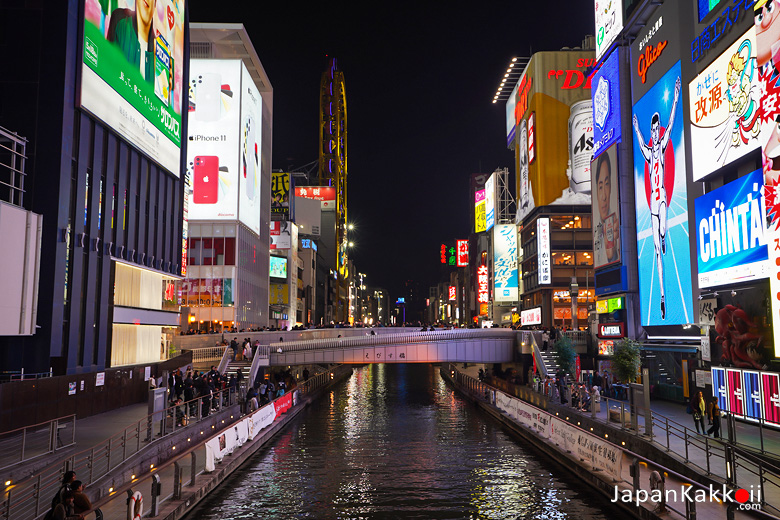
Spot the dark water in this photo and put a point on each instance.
(395, 441)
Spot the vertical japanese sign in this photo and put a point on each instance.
(543, 250)
(725, 108)
(609, 23)
(490, 203)
(280, 195)
(453, 292)
(531, 137)
(483, 297)
(463, 253)
(505, 272)
(480, 216)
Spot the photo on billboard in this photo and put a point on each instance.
(213, 142)
(731, 233)
(505, 274)
(251, 152)
(490, 202)
(606, 209)
(726, 108)
(280, 194)
(661, 204)
(132, 73)
(281, 234)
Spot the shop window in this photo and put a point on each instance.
(194, 248)
(230, 251)
(584, 258)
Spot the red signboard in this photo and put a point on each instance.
(453, 292)
(463, 253)
(482, 284)
(443, 254)
(283, 404)
(531, 137)
(611, 330)
(325, 194)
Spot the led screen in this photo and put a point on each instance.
(278, 267)
(505, 274)
(606, 210)
(132, 73)
(251, 152)
(605, 90)
(661, 204)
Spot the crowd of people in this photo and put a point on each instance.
(699, 408)
(70, 502)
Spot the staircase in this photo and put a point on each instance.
(550, 362)
(233, 366)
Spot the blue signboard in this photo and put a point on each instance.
(751, 390)
(662, 204)
(605, 88)
(731, 232)
(719, 387)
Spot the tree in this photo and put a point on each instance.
(565, 355)
(626, 360)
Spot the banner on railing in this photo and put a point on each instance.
(283, 404)
(585, 446)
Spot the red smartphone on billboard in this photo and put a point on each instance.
(206, 172)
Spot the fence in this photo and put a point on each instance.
(30, 442)
(206, 354)
(31, 498)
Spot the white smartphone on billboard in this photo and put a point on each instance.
(207, 97)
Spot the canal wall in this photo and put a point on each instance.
(182, 491)
(600, 477)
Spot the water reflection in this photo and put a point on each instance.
(395, 441)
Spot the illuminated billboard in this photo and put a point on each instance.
(325, 194)
(609, 23)
(510, 115)
(661, 204)
(483, 297)
(543, 250)
(490, 202)
(453, 292)
(725, 108)
(280, 195)
(480, 217)
(731, 232)
(281, 234)
(278, 267)
(132, 73)
(249, 174)
(554, 96)
(606, 104)
(214, 139)
(463, 253)
(531, 316)
(606, 209)
(505, 273)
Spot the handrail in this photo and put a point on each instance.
(261, 353)
(540, 365)
(202, 354)
(29, 498)
(227, 356)
(42, 439)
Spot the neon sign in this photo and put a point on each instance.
(483, 284)
(649, 57)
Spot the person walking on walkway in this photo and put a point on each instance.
(698, 410)
(714, 416)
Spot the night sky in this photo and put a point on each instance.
(420, 78)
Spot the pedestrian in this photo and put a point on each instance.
(64, 510)
(545, 340)
(598, 381)
(714, 415)
(67, 479)
(81, 503)
(698, 410)
(595, 399)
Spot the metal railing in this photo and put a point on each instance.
(31, 499)
(321, 379)
(30, 442)
(393, 339)
(20, 375)
(260, 358)
(203, 355)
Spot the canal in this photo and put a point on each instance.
(396, 442)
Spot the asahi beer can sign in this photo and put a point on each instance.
(581, 145)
